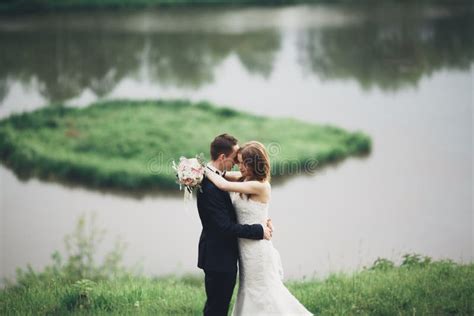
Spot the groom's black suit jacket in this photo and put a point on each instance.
(218, 249)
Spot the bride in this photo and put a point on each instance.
(261, 290)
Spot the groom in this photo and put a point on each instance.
(218, 248)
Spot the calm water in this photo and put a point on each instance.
(404, 75)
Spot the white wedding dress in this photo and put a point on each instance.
(261, 290)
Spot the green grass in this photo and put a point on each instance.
(54, 5)
(130, 144)
(48, 5)
(68, 5)
(80, 285)
(435, 288)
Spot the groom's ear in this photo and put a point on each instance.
(221, 157)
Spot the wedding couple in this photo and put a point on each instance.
(233, 208)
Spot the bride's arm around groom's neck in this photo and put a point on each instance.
(233, 176)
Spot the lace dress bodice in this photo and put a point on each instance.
(249, 211)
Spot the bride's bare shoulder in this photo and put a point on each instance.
(267, 187)
(265, 184)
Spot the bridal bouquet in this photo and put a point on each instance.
(189, 174)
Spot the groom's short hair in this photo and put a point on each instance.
(222, 144)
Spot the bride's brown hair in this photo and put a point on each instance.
(256, 160)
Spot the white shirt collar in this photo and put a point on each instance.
(213, 169)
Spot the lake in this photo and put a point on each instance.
(401, 73)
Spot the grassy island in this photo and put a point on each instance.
(131, 144)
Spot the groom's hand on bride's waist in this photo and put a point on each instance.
(267, 230)
(270, 224)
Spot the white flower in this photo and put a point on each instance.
(189, 171)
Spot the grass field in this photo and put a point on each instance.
(416, 288)
(76, 283)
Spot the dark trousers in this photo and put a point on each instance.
(219, 289)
